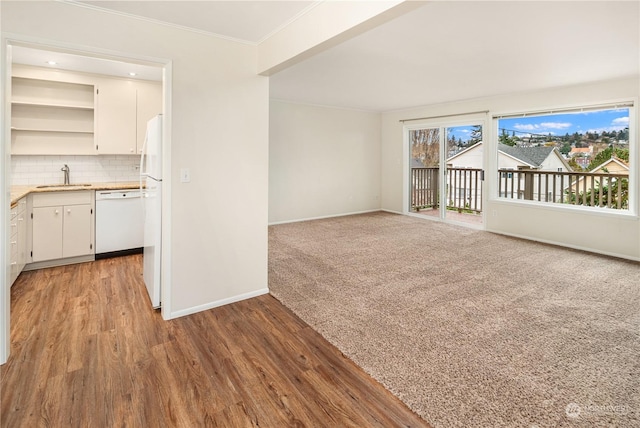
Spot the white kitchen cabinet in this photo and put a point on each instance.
(18, 239)
(56, 112)
(62, 225)
(76, 230)
(23, 245)
(116, 128)
(149, 104)
(47, 233)
(50, 117)
(124, 108)
(13, 244)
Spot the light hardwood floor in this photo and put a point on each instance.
(88, 351)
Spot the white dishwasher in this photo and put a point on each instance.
(119, 222)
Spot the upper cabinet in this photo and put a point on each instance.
(52, 117)
(149, 104)
(67, 113)
(124, 108)
(116, 130)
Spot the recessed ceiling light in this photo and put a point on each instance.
(133, 74)
(51, 62)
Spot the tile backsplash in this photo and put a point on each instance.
(35, 170)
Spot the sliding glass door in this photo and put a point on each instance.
(452, 192)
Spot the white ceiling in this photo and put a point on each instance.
(448, 51)
(443, 51)
(244, 21)
(96, 65)
(248, 21)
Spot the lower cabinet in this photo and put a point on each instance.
(63, 225)
(18, 238)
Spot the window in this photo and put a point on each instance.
(577, 157)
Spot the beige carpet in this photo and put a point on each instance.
(468, 328)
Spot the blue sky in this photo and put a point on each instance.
(462, 132)
(561, 124)
(558, 124)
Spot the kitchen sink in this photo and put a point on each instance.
(64, 186)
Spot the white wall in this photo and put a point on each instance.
(322, 161)
(590, 230)
(218, 128)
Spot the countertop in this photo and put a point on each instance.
(18, 192)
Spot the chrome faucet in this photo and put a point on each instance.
(65, 169)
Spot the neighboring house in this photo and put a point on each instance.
(612, 166)
(540, 158)
(510, 158)
(581, 155)
(581, 151)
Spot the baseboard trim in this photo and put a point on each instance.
(119, 253)
(324, 216)
(217, 303)
(392, 211)
(565, 245)
(58, 262)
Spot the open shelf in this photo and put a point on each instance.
(50, 130)
(15, 102)
(52, 117)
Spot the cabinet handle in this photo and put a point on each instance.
(14, 242)
(69, 210)
(56, 211)
(14, 263)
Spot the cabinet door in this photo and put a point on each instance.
(13, 240)
(47, 233)
(22, 238)
(116, 117)
(149, 97)
(76, 236)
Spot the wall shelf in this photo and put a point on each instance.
(51, 130)
(54, 105)
(52, 117)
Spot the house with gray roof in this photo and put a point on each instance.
(511, 158)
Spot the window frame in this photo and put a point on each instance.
(630, 103)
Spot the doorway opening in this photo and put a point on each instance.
(31, 56)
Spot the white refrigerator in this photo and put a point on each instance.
(151, 190)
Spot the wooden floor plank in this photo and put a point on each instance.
(88, 350)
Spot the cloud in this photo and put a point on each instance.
(620, 121)
(523, 127)
(555, 125)
(542, 128)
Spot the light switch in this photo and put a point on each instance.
(185, 175)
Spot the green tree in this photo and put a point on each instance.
(618, 187)
(575, 166)
(504, 138)
(623, 134)
(566, 148)
(476, 135)
(607, 154)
